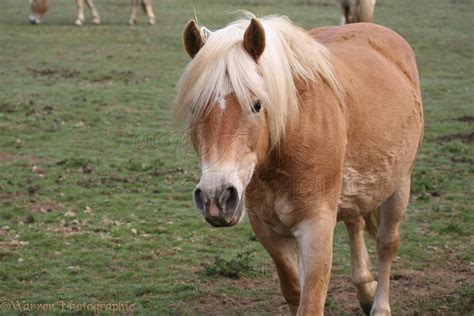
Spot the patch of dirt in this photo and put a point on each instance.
(221, 303)
(10, 245)
(408, 289)
(45, 207)
(225, 304)
(466, 119)
(462, 159)
(25, 160)
(4, 157)
(125, 76)
(52, 72)
(110, 181)
(116, 179)
(6, 107)
(10, 197)
(465, 138)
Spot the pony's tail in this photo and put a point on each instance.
(372, 222)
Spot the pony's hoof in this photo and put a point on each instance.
(96, 21)
(366, 308)
(151, 22)
(132, 22)
(78, 22)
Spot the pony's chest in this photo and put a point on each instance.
(272, 208)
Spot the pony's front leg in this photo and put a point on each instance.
(284, 251)
(94, 13)
(315, 237)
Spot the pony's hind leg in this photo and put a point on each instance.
(133, 14)
(94, 13)
(388, 241)
(361, 276)
(284, 252)
(149, 11)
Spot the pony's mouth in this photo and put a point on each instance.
(228, 221)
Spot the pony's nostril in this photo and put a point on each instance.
(229, 198)
(199, 198)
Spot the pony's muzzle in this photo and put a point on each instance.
(221, 207)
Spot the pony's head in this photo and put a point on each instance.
(237, 95)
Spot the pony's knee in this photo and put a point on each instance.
(387, 247)
(362, 278)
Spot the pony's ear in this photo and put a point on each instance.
(192, 38)
(254, 39)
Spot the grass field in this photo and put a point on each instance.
(95, 183)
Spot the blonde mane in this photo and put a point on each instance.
(223, 66)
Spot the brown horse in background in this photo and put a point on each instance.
(304, 129)
(39, 8)
(353, 11)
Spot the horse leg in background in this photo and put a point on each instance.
(345, 9)
(146, 4)
(284, 252)
(80, 12)
(361, 276)
(353, 15)
(388, 241)
(133, 14)
(38, 9)
(365, 10)
(353, 11)
(94, 13)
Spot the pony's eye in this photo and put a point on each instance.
(257, 106)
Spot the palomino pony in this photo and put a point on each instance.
(353, 11)
(39, 8)
(305, 129)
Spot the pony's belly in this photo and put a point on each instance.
(353, 207)
(362, 193)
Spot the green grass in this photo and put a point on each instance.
(95, 183)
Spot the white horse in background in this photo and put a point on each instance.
(353, 11)
(39, 8)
